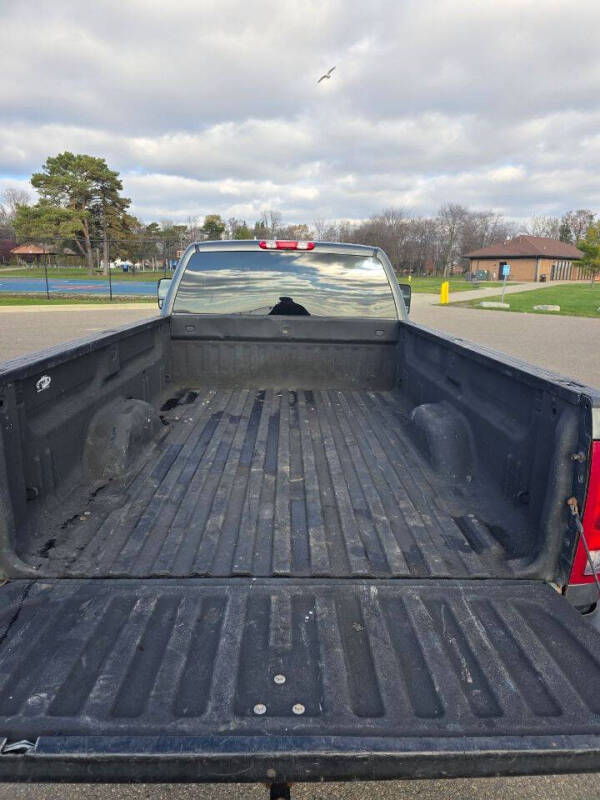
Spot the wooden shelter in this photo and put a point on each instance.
(33, 253)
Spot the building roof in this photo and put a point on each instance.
(31, 250)
(531, 246)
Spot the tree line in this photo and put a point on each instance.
(81, 210)
(425, 244)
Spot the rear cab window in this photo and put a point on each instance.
(286, 283)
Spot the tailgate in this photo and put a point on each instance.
(181, 680)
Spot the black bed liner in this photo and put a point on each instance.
(281, 483)
(163, 679)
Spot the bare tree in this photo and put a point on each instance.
(194, 230)
(482, 228)
(233, 223)
(270, 222)
(321, 228)
(345, 231)
(422, 245)
(335, 231)
(412, 244)
(575, 224)
(451, 219)
(548, 227)
(6, 228)
(299, 233)
(11, 198)
(386, 230)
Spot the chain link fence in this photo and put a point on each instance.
(123, 268)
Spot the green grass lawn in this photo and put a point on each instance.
(457, 284)
(66, 300)
(82, 274)
(577, 300)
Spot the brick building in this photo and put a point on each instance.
(530, 258)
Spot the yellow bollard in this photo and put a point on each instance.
(445, 292)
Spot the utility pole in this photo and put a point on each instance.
(106, 253)
(105, 248)
(110, 284)
(109, 274)
(45, 262)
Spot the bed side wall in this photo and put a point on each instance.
(524, 423)
(47, 402)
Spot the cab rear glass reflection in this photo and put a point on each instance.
(285, 283)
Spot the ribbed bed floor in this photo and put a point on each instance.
(262, 483)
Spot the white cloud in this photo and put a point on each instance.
(214, 106)
(16, 183)
(506, 174)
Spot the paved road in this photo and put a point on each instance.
(546, 787)
(25, 330)
(563, 343)
(76, 286)
(569, 345)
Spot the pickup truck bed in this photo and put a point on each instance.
(286, 483)
(371, 511)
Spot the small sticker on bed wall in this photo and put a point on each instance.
(43, 383)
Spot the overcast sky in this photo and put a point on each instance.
(209, 106)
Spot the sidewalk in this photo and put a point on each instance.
(477, 294)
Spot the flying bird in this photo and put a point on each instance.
(326, 76)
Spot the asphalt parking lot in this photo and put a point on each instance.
(545, 787)
(27, 329)
(565, 344)
(568, 345)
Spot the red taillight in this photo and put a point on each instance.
(285, 244)
(581, 571)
